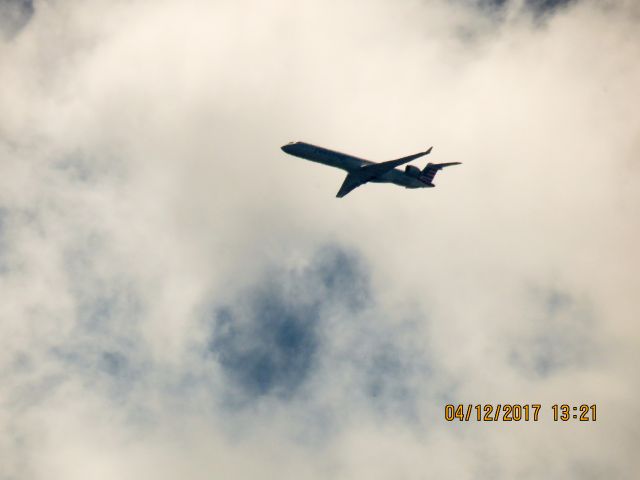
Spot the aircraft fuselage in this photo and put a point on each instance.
(351, 164)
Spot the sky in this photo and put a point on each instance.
(181, 299)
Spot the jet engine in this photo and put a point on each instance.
(413, 171)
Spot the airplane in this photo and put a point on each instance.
(361, 171)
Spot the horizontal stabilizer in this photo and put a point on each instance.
(431, 169)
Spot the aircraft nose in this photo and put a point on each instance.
(288, 147)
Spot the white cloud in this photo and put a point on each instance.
(141, 182)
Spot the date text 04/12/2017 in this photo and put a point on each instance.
(517, 412)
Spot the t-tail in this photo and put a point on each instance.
(431, 169)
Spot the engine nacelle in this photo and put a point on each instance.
(413, 171)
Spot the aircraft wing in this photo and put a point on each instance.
(368, 172)
(351, 182)
(377, 169)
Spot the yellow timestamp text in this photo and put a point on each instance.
(517, 412)
(582, 413)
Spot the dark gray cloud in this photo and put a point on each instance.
(14, 15)
(3, 240)
(104, 303)
(560, 335)
(537, 6)
(269, 341)
(546, 5)
(275, 352)
(104, 347)
(316, 339)
(392, 378)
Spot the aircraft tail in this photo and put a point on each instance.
(431, 169)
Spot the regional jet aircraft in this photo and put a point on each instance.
(361, 171)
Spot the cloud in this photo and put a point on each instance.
(273, 346)
(558, 336)
(539, 6)
(183, 299)
(282, 341)
(14, 15)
